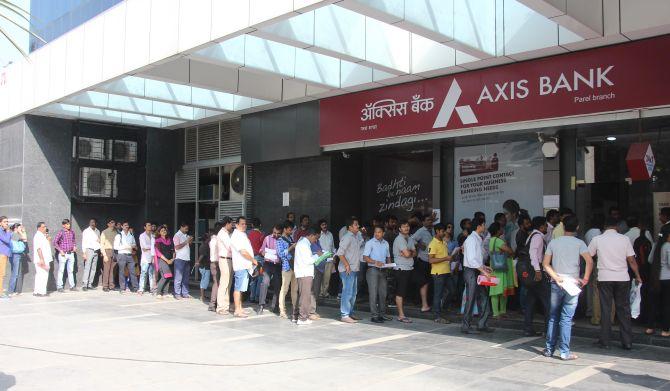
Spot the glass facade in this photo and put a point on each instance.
(51, 19)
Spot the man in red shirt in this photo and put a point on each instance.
(302, 230)
(256, 237)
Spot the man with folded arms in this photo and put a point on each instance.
(376, 254)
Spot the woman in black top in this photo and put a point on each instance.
(165, 256)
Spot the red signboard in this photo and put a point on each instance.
(626, 76)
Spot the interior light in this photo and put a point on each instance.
(611, 138)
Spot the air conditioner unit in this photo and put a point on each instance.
(90, 148)
(98, 182)
(125, 151)
(237, 182)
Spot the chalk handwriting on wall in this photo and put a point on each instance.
(398, 193)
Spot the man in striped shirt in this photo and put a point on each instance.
(65, 244)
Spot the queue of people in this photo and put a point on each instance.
(516, 259)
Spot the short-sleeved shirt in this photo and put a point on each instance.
(350, 247)
(612, 249)
(438, 249)
(378, 250)
(424, 236)
(183, 253)
(403, 243)
(238, 242)
(565, 252)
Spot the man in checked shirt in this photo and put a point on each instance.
(65, 244)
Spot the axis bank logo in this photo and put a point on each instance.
(574, 81)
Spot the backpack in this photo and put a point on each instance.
(524, 267)
(18, 246)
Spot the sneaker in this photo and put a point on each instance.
(547, 353)
(304, 322)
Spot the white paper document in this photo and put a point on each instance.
(571, 286)
(389, 266)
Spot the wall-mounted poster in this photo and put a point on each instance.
(400, 184)
(488, 175)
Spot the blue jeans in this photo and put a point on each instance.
(15, 262)
(63, 261)
(147, 268)
(349, 290)
(442, 282)
(204, 277)
(181, 275)
(561, 310)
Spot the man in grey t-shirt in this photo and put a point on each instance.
(561, 262)
(404, 251)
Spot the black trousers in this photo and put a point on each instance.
(475, 293)
(534, 293)
(659, 306)
(271, 278)
(620, 292)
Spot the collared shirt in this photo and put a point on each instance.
(401, 243)
(5, 243)
(213, 249)
(612, 249)
(350, 247)
(240, 242)
(146, 246)
(423, 236)
(40, 242)
(107, 238)
(438, 249)
(304, 259)
(256, 238)
(64, 241)
(124, 243)
(326, 241)
(223, 243)
(634, 233)
(590, 234)
(284, 255)
(153, 245)
(536, 249)
(377, 250)
(183, 253)
(472, 251)
(550, 232)
(299, 234)
(90, 239)
(269, 249)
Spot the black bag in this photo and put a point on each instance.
(524, 268)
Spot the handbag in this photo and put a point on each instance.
(498, 260)
(18, 246)
(524, 268)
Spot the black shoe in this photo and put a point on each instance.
(211, 308)
(84, 289)
(60, 290)
(627, 346)
(91, 288)
(105, 289)
(486, 330)
(73, 289)
(469, 331)
(377, 320)
(600, 345)
(547, 353)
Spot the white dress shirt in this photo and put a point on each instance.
(124, 243)
(146, 245)
(238, 242)
(304, 259)
(213, 249)
(183, 253)
(326, 242)
(40, 242)
(223, 243)
(472, 251)
(90, 239)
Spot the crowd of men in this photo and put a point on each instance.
(532, 262)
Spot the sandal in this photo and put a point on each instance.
(405, 320)
(571, 357)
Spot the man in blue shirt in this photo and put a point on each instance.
(285, 249)
(5, 251)
(376, 255)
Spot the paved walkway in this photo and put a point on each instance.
(105, 341)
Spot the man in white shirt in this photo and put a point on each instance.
(42, 256)
(243, 263)
(182, 241)
(327, 243)
(147, 242)
(303, 268)
(636, 230)
(473, 262)
(225, 266)
(124, 244)
(615, 255)
(90, 243)
(214, 266)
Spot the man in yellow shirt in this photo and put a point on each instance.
(440, 269)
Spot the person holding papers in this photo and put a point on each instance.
(303, 268)
(376, 254)
(561, 262)
(440, 269)
(271, 270)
